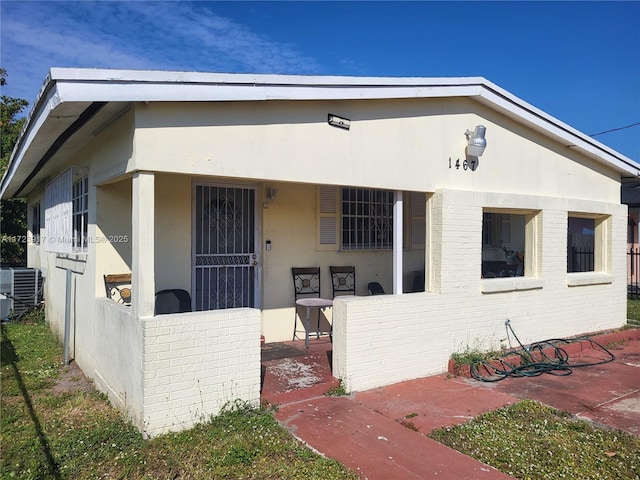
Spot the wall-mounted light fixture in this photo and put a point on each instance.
(340, 122)
(476, 141)
(270, 195)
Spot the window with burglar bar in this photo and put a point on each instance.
(66, 216)
(580, 244)
(350, 218)
(367, 219)
(80, 213)
(35, 224)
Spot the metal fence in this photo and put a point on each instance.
(633, 272)
(582, 260)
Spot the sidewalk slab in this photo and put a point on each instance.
(434, 402)
(375, 446)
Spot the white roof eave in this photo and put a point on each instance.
(207, 92)
(143, 85)
(168, 77)
(84, 86)
(48, 101)
(501, 100)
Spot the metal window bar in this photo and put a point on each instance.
(367, 219)
(80, 213)
(35, 224)
(581, 260)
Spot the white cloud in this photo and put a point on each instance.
(133, 35)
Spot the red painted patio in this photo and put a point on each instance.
(380, 433)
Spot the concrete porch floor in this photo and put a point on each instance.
(292, 373)
(365, 430)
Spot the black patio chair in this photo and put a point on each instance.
(172, 301)
(375, 288)
(306, 284)
(343, 280)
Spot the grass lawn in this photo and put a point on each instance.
(532, 441)
(633, 309)
(73, 433)
(52, 430)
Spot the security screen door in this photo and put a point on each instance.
(224, 259)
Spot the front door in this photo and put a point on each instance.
(224, 246)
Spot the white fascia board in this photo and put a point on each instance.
(84, 92)
(165, 77)
(48, 100)
(500, 99)
(98, 85)
(121, 91)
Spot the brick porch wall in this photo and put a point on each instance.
(386, 339)
(194, 364)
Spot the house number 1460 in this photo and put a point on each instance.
(466, 164)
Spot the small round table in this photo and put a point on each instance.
(309, 303)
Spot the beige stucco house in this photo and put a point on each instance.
(219, 184)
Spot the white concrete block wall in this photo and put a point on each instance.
(387, 339)
(117, 368)
(381, 340)
(195, 364)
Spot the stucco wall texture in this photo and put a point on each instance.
(180, 367)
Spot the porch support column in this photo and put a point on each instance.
(143, 283)
(397, 243)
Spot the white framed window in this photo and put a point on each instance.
(580, 244)
(587, 242)
(355, 218)
(362, 219)
(66, 212)
(509, 239)
(367, 219)
(80, 213)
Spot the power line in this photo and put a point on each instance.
(614, 129)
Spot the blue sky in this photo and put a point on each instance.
(578, 61)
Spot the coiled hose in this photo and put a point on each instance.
(547, 356)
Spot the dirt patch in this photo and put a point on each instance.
(294, 375)
(73, 379)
